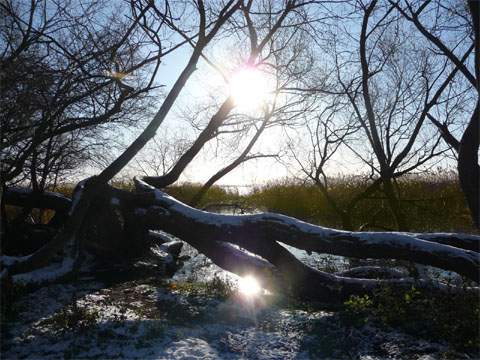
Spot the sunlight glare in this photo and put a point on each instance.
(249, 286)
(248, 87)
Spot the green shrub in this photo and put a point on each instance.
(449, 317)
(216, 287)
(73, 317)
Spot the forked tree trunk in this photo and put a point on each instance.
(243, 157)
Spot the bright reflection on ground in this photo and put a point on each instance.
(248, 87)
(249, 286)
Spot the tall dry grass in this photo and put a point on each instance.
(432, 202)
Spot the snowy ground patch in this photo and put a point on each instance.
(148, 320)
(151, 318)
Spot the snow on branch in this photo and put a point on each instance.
(179, 219)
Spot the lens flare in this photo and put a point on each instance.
(248, 87)
(249, 286)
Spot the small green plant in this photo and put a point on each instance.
(359, 304)
(221, 288)
(216, 287)
(449, 317)
(73, 317)
(357, 309)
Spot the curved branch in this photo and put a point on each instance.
(17, 196)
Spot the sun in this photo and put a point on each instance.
(249, 286)
(248, 87)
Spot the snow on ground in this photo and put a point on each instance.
(148, 321)
(157, 319)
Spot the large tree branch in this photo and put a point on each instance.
(215, 122)
(42, 200)
(258, 234)
(243, 157)
(254, 230)
(375, 137)
(250, 245)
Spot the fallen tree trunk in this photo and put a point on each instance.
(65, 239)
(461, 241)
(251, 244)
(29, 199)
(18, 196)
(163, 211)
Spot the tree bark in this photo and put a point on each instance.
(207, 134)
(251, 231)
(43, 200)
(468, 170)
(394, 205)
(251, 244)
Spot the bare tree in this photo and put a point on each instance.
(255, 58)
(287, 61)
(451, 47)
(243, 157)
(328, 130)
(62, 74)
(391, 96)
(253, 243)
(68, 236)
